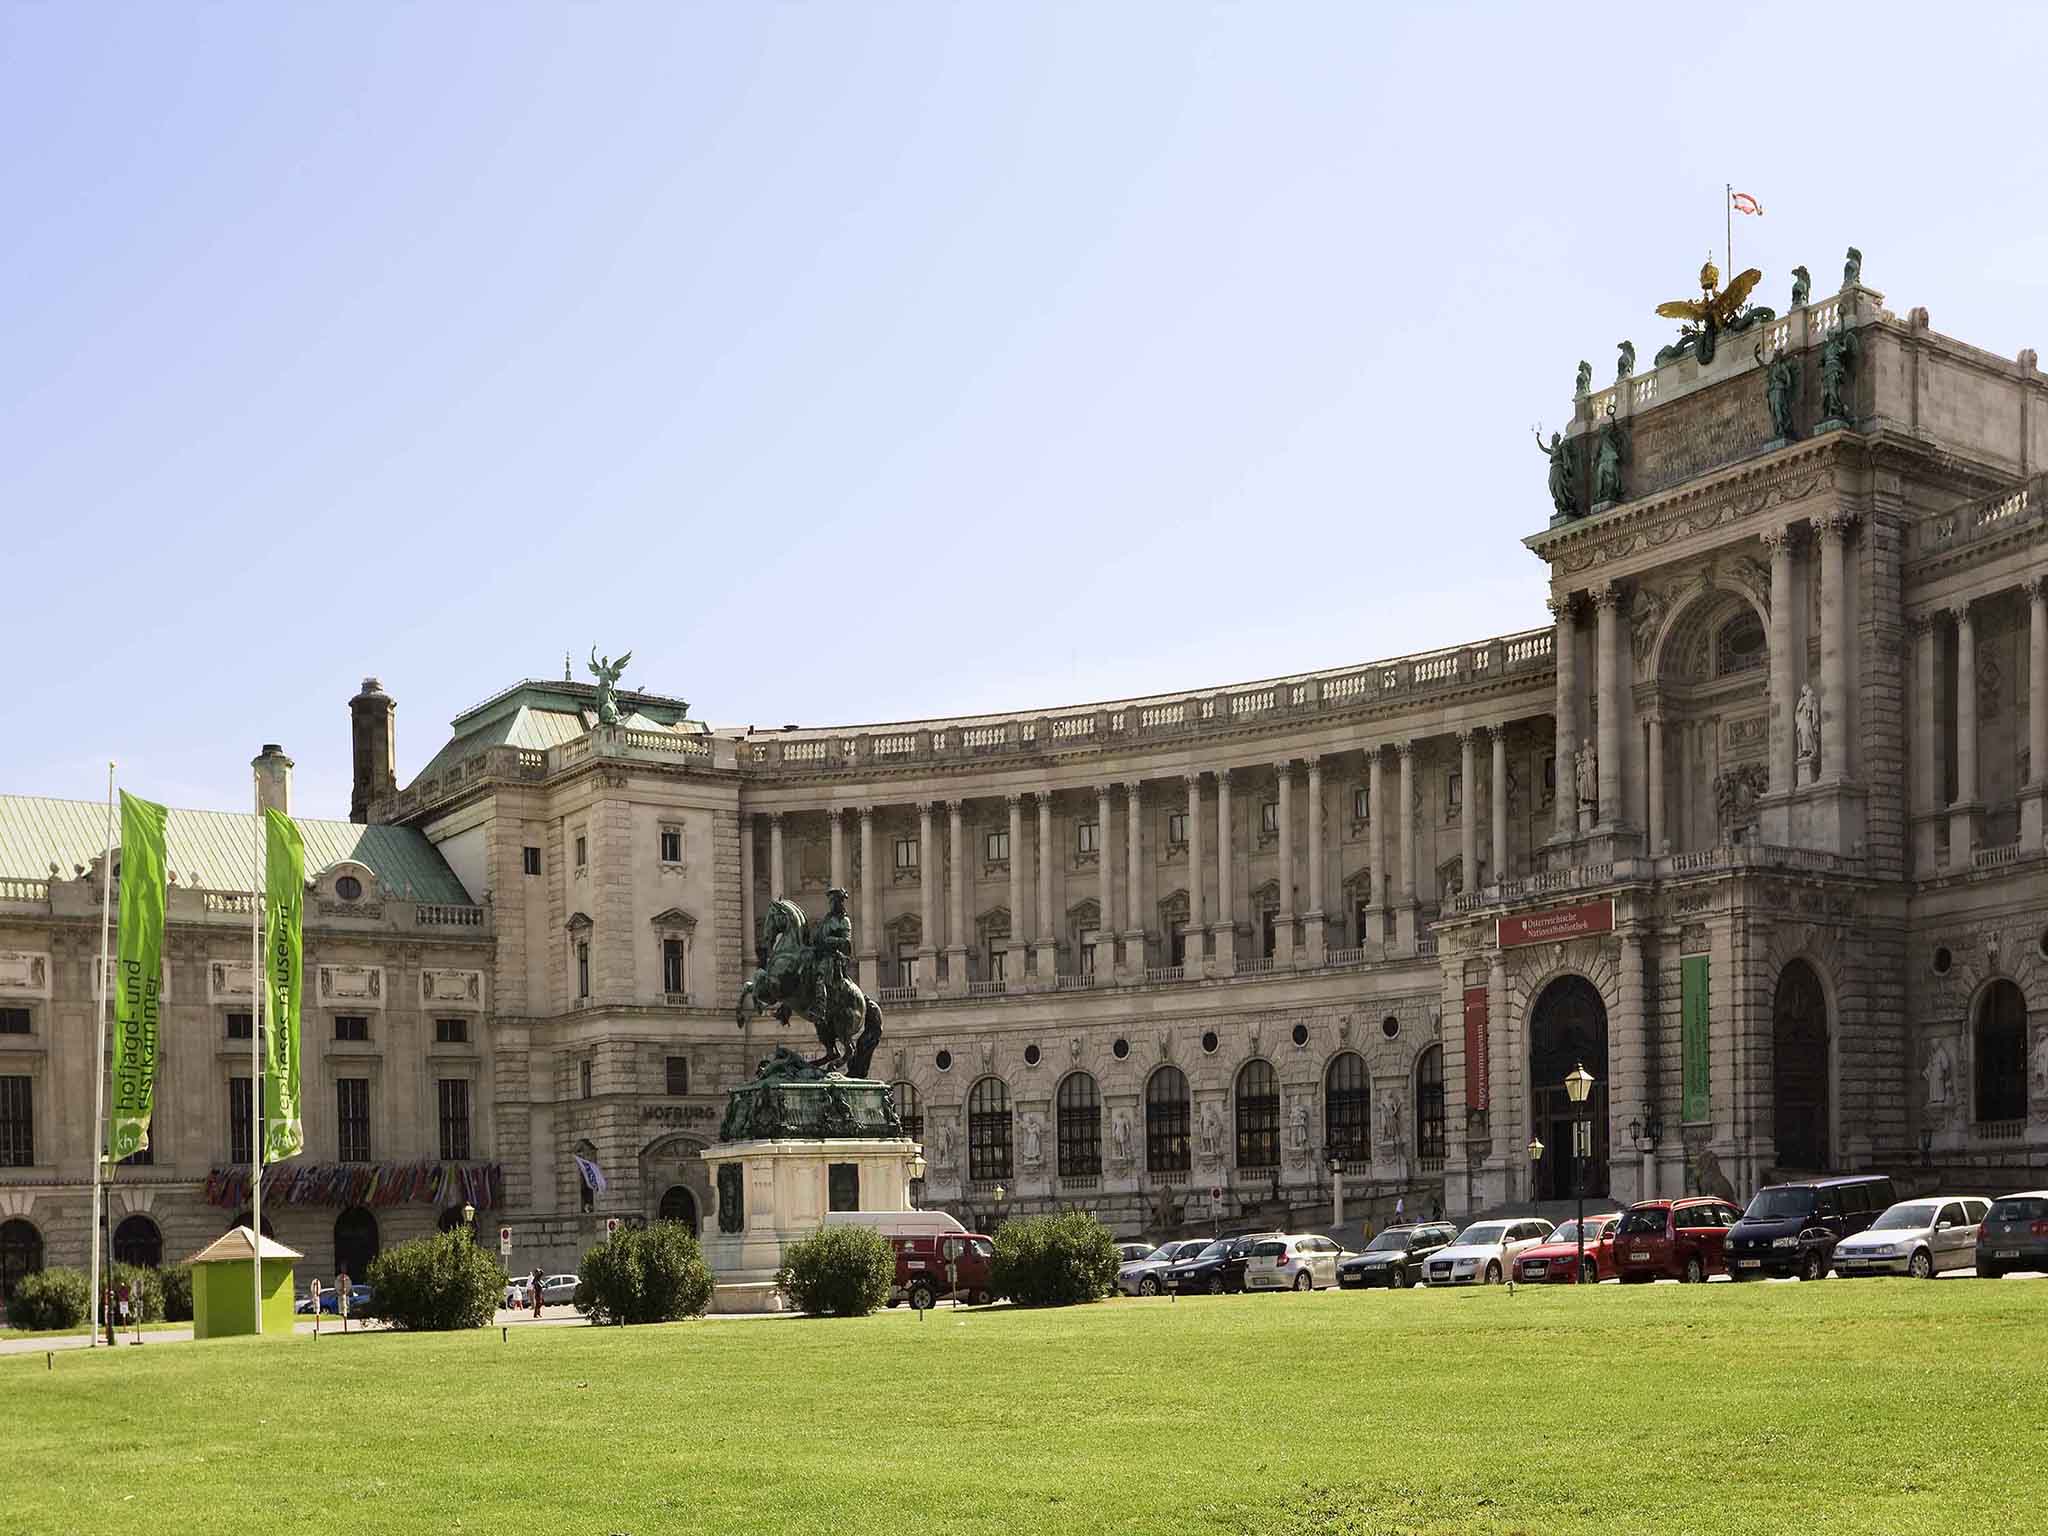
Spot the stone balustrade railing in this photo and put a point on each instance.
(24, 891)
(1989, 517)
(1670, 866)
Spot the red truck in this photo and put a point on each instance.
(936, 1257)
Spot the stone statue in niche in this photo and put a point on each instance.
(1802, 285)
(1735, 797)
(1299, 1119)
(1838, 356)
(1212, 1133)
(1608, 461)
(948, 1148)
(1033, 1142)
(1940, 1073)
(1852, 268)
(1781, 383)
(1584, 385)
(1389, 1118)
(1806, 725)
(1120, 1139)
(2039, 1074)
(1564, 490)
(1587, 770)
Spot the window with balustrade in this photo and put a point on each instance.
(1347, 1108)
(1169, 1115)
(671, 844)
(1258, 1115)
(1077, 1113)
(909, 1109)
(988, 1130)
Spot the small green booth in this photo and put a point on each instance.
(223, 1298)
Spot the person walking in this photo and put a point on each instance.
(342, 1286)
(534, 1282)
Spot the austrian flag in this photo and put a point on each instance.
(1744, 203)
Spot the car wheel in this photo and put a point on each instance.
(1215, 1285)
(1921, 1265)
(1814, 1267)
(1493, 1273)
(1589, 1273)
(922, 1296)
(1402, 1280)
(1302, 1282)
(1695, 1272)
(1149, 1286)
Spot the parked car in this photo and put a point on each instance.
(1147, 1276)
(1792, 1229)
(1215, 1267)
(1395, 1257)
(1684, 1239)
(1920, 1238)
(1483, 1251)
(359, 1298)
(1557, 1257)
(1127, 1253)
(2014, 1235)
(1299, 1261)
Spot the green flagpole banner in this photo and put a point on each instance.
(284, 953)
(138, 975)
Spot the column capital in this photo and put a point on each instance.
(1960, 611)
(1405, 749)
(834, 812)
(955, 805)
(1832, 526)
(2036, 588)
(1014, 800)
(1223, 778)
(867, 814)
(1783, 539)
(1315, 764)
(1468, 735)
(1920, 623)
(1611, 595)
(1133, 787)
(1193, 779)
(1103, 792)
(1565, 608)
(1284, 767)
(775, 817)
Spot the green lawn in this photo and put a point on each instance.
(127, 1331)
(1873, 1406)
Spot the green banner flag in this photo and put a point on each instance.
(138, 975)
(284, 952)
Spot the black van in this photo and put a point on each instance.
(1792, 1229)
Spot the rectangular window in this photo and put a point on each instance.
(532, 861)
(239, 1025)
(582, 850)
(352, 1118)
(1454, 789)
(583, 968)
(17, 1123)
(1550, 776)
(351, 1026)
(997, 848)
(1177, 829)
(1088, 937)
(671, 845)
(906, 965)
(906, 853)
(672, 979)
(1269, 819)
(14, 1021)
(1694, 1020)
(1361, 804)
(454, 1095)
(678, 1076)
(451, 1031)
(589, 1072)
(998, 958)
(241, 1133)
(1177, 944)
(1087, 836)
(1361, 922)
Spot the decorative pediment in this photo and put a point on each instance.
(1358, 884)
(993, 924)
(675, 919)
(579, 923)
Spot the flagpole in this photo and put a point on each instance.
(1728, 214)
(256, 1055)
(99, 1055)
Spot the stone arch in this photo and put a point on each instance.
(1566, 1027)
(1347, 1107)
(21, 1254)
(1255, 1097)
(1805, 1028)
(679, 1204)
(671, 1163)
(1077, 1126)
(1688, 627)
(138, 1240)
(1169, 1120)
(356, 1241)
(1998, 1052)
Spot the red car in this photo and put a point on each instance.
(1684, 1239)
(1556, 1258)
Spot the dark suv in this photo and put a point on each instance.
(1394, 1258)
(1216, 1268)
(1792, 1229)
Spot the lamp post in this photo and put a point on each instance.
(916, 1171)
(1535, 1157)
(469, 1219)
(1578, 1086)
(1336, 1192)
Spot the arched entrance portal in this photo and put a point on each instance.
(1799, 1070)
(355, 1241)
(1567, 1027)
(678, 1204)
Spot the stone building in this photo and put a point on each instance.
(1754, 830)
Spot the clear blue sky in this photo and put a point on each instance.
(855, 361)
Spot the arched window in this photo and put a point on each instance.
(2001, 1054)
(21, 1254)
(1078, 1110)
(1258, 1115)
(1429, 1105)
(988, 1130)
(909, 1109)
(1347, 1109)
(138, 1241)
(678, 1204)
(1166, 1121)
(355, 1242)
(242, 1220)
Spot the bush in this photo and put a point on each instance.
(653, 1274)
(436, 1283)
(844, 1271)
(49, 1298)
(1054, 1261)
(176, 1284)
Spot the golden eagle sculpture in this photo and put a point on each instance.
(1715, 312)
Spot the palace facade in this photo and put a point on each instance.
(1754, 831)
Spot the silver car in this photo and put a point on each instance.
(1921, 1238)
(1146, 1276)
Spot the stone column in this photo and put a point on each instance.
(1784, 665)
(1687, 737)
(777, 870)
(956, 906)
(837, 845)
(1313, 939)
(1192, 960)
(1105, 861)
(1503, 1075)
(2036, 791)
(1608, 664)
(1656, 784)
(1834, 649)
(1497, 802)
(1134, 888)
(870, 935)
(1628, 1069)
(750, 933)
(1404, 813)
(1226, 897)
(1566, 651)
(1013, 951)
(1376, 840)
(1283, 924)
(927, 907)
(1048, 941)
(1964, 814)
(1468, 814)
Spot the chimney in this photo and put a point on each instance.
(273, 779)
(376, 749)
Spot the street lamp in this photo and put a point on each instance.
(1578, 1086)
(916, 1170)
(1535, 1157)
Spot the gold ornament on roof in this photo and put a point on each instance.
(1716, 310)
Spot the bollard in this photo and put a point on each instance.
(49, 1360)
(504, 1335)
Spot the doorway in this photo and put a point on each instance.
(1799, 1070)
(1568, 1028)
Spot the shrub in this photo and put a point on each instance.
(436, 1283)
(653, 1274)
(49, 1298)
(145, 1292)
(845, 1271)
(176, 1283)
(1054, 1261)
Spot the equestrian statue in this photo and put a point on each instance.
(806, 973)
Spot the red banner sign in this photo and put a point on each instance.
(1555, 923)
(1476, 1079)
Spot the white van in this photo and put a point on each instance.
(898, 1223)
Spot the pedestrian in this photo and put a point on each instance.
(534, 1282)
(313, 1295)
(341, 1296)
(1400, 1209)
(1436, 1210)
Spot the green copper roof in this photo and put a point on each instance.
(535, 714)
(214, 849)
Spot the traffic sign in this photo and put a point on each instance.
(1215, 1193)
(504, 1242)
(611, 1226)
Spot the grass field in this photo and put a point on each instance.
(1882, 1406)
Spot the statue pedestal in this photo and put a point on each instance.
(773, 1192)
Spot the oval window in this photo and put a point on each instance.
(348, 888)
